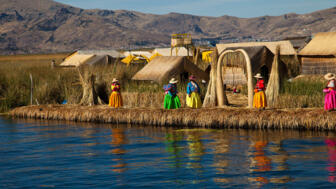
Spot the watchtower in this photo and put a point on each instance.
(181, 40)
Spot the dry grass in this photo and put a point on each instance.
(303, 119)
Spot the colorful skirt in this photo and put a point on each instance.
(115, 100)
(330, 100)
(259, 100)
(194, 101)
(171, 102)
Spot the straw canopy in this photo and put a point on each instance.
(323, 44)
(162, 68)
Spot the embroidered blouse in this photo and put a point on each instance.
(115, 87)
(193, 87)
(260, 85)
(331, 84)
(171, 89)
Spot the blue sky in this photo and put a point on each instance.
(239, 8)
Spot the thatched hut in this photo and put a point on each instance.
(234, 73)
(252, 58)
(261, 55)
(162, 68)
(91, 57)
(319, 56)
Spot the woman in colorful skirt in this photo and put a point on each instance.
(115, 98)
(193, 93)
(259, 99)
(171, 100)
(330, 94)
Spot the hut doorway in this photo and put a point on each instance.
(244, 65)
(265, 73)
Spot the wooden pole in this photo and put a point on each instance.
(31, 89)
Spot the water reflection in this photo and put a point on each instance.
(259, 161)
(173, 147)
(118, 139)
(266, 157)
(36, 154)
(331, 145)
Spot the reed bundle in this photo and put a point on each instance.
(273, 88)
(302, 119)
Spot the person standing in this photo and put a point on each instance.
(115, 98)
(171, 100)
(193, 93)
(330, 93)
(259, 99)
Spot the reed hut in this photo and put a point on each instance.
(319, 56)
(261, 55)
(234, 73)
(162, 68)
(92, 58)
(255, 57)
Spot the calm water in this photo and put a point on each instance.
(75, 155)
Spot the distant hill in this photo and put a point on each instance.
(35, 26)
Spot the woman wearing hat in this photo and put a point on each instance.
(115, 98)
(193, 93)
(259, 99)
(330, 97)
(171, 100)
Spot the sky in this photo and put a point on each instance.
(239, 8)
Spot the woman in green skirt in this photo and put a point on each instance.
(171, 100)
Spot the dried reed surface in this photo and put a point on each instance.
(302, 119)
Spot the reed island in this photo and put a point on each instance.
(259, 85)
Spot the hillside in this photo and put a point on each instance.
(35, 26)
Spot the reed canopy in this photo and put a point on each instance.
(319, 56)
(162, 68)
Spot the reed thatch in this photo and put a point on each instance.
(76, 59)
(323, 44)
(162, 68)
(259, 55)
(111, 53)
(302, 119)
(98, 60)
(286, 47)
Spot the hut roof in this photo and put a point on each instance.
(299, 42)
(259, 56)
(111, 53)
(286, 47)
(162, 68)
(182, 51)
(322, 44)
(76, 59)
(97, 60)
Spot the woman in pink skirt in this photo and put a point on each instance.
(330, 93)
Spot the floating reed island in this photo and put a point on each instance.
(301, 119)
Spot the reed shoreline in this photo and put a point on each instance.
(219, 118)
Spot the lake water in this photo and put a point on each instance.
(41, 154)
